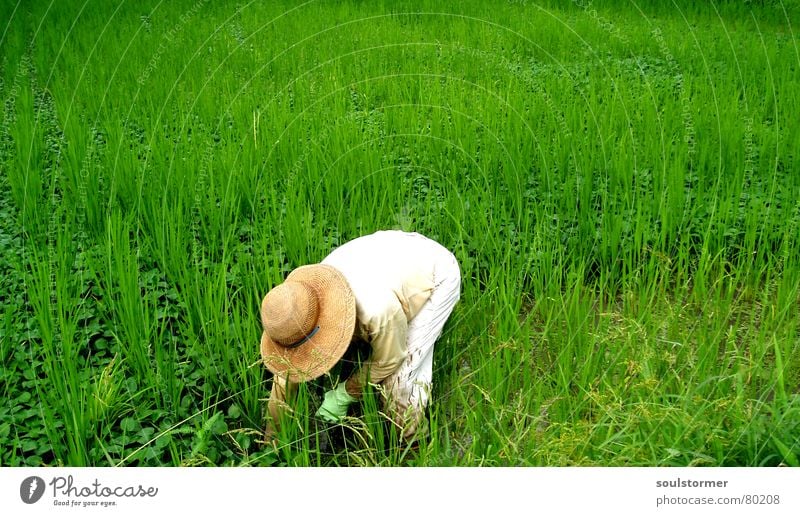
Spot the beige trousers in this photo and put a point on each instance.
(408, 390)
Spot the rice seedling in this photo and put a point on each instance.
(617, 179)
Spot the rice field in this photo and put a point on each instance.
(620, 181)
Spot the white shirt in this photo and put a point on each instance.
(391, 275)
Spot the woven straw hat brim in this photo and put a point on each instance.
(336, 320)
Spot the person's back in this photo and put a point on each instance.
(388, 261)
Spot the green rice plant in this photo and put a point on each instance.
(617, 182)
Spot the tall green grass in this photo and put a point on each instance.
(618, 181)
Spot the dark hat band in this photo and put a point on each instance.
(303, 340)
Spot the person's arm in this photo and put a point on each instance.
(388, 333)
(281, 390)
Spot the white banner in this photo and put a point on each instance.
(321, 491)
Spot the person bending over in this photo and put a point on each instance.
(392, 289)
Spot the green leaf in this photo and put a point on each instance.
(786, 453)
(27, 414)
(217, 424)
(163, 441)
(114, 449)
(129, 424)
(145, 434)
(131, 384)
(151, 453)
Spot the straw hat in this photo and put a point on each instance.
(308, 322)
